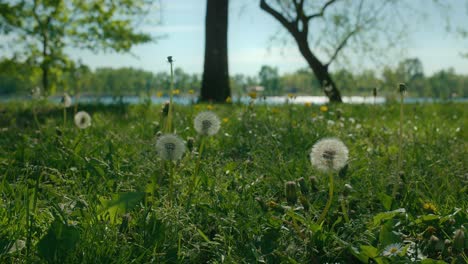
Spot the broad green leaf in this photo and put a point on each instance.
(387, 236)
(121, 203)
(386, 200)
(59, 240)
(387, 215)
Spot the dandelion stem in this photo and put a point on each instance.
(169, 115)
(35, 116)
(329, 202)
(344, 210)
(171, 182)
(64, 117)
(400, 144)
(195, 172)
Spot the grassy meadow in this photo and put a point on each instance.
(103, 195)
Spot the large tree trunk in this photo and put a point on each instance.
(215, 83)
(320, 70)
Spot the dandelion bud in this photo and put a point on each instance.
(313, 183)
(190, 143)
(291, 193)
(304, 203)
(159, 134)
(347, 190)
(303, 186)
(374, 92)
(58, 131)
(165, 109)
(169, 59)
(459, 240)
(342, 173)
(402, 88)
(447, 242)
(339, 113)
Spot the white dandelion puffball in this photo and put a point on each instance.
(207, 123)
(82, 120)
(66, 100)
(36, 92)
(329, 154)
(170, 147)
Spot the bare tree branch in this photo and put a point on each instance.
(342, 45)
(322, 11)
(286, 23)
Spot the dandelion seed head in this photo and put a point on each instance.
(82, 120)
(329, 154)
(392, 250)
(36, 92)
(66, 100)
(207, 123)
(170, 147)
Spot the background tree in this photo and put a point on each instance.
(41, 29)
(269, 79)
(332, 25)
(215, 80)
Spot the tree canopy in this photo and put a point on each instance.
(38, 31)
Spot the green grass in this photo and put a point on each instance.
(100, 195)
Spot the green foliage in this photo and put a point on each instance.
(41, 29)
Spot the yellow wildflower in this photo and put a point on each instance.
(191, 91)
(429, 207)
(290, 95)
(209, 107)
(229, 100)
(324, 108)
(225, 120)
(159, 94)
(308, 104)
(176, 91)
(253, 95)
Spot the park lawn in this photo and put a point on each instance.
(101, 194)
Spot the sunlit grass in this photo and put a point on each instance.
(103, 195)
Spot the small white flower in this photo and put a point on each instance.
(82, 120)
(392, 250)
(170, 147)
(66, 100)
(329, 154)
(207, 123)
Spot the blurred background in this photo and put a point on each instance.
(117, 50)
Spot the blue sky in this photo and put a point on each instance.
(250, 30)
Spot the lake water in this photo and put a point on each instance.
(270, 100)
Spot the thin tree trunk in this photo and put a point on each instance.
(320, 70)
(45, 64)
(215, 83)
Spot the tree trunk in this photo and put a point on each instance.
(215, 83)
(320, 70)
